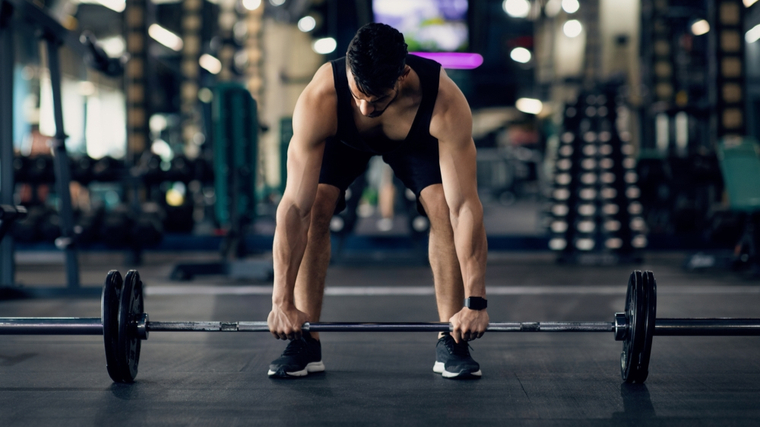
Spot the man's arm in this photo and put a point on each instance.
(452, 125)
(314, 120)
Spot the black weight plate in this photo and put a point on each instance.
(633, 346)
(131, 307)
(650, 286)
(630, 319)
(109, 315)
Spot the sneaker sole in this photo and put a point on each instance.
(439, 368)
(310, 368)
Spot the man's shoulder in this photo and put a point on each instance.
(315, 115)
(324, 76)
(322, 85)
(449, 94)
(451, 108)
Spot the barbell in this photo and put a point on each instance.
(124, 325)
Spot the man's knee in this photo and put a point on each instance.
(434, 202)
(324, 204)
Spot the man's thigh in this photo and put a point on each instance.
(417, 167)
(341, 165)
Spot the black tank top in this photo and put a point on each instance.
(429, 74)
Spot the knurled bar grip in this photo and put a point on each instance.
(382, 327)
(664, 327)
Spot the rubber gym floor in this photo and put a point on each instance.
(531, 379)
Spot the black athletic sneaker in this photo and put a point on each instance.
(301, 357)
(453, 360)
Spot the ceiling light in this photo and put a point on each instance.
(115, 5)
(572, 28)
(516, 8)
(210, 64)
(307, 23)
(700, 27)
(325, 45)
(753, 35)
(165, 37)
(570, 6)
(521, 55)
(251, 4)
(529, 105)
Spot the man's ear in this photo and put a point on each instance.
(404, 74)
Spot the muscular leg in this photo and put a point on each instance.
(310, 282)
(449, 287)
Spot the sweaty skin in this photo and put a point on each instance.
(392, 114)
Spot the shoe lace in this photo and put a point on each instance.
(295, 347)
(461, 349)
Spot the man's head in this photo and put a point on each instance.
(376, 57)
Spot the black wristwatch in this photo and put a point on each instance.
(476, 303)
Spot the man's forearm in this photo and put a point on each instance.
(472, 249)
(290, 238)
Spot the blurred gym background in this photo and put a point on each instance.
(606, 130)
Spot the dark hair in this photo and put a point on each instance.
(377, 57)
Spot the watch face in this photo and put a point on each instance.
(476, 303)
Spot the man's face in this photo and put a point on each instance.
(371, 106)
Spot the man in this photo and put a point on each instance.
(380, 101)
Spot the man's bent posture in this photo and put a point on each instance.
(378, 100)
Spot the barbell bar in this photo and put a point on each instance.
(663, 327)
(124, 324)
(94, 326)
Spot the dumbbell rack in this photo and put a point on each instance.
(595, 212)
(24, 16)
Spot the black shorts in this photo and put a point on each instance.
(415, 164)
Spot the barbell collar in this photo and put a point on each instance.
(141, 326)
(621, 326)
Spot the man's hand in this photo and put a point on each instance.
(285, 322)
(468, 325)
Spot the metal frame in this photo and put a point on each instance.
(7, 56)
(24, 14)
(62, 168)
